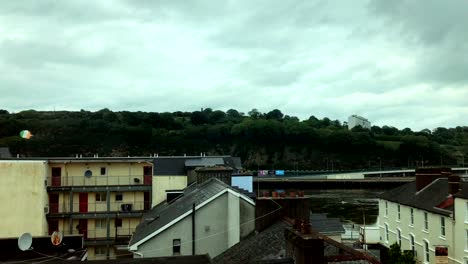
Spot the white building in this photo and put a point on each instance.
(420, 216)
(356, 120)
(207, 219)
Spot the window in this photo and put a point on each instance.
(101, 197)
(101, 223)
(103, 171)
(466, 244)
(100, 251)
(426, 222)
(386, 208)
(399, 216)
(466, 213)
(426, 251)
(399, 236)
(386, 232)
(176, 247)
(411, 216)
(118, 197)
(412, 242)
(442, 226)
(118, 222)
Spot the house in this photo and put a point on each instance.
(420, 216)
(206, 218)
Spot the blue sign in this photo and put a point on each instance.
(279, 172)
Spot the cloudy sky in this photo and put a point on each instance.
(402, 63)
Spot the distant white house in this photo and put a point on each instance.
(207, 218)
(355, 120)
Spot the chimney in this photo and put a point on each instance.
(425, 176)
(453, 184)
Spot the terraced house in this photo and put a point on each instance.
(428, 214)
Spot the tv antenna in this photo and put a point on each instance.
(25, 242)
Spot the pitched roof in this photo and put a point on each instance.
(197, 259)
(204, 162)
(165, 214)
(427, 198)
(324, 225)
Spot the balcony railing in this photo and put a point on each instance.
(101, 233)
(99, 207)
(99, 180)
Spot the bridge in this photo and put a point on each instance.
(363, 179)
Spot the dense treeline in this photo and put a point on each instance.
(263, 140)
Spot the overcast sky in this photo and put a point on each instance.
(398, 63)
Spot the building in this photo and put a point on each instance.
(24, 198)
(206, 218)
(330, 227)
(421, 216)
(101, 198)
(355, 120)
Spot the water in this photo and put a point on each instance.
(350, 206)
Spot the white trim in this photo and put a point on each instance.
(134, 247)
(452, 259)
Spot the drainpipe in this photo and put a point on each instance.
(193, 229)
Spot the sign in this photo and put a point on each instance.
(279, 172)
(441, 255)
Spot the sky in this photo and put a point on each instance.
(401, 63)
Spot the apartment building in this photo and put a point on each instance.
(355, 120)
(101, 198)
(421, 216)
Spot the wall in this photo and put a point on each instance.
(163, 183)
(247, 218)
(24, 196)
(460, 246)
(433, 235)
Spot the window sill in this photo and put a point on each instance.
(412, 226)
(425, 231)
(442, 237)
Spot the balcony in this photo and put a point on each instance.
(99, 209)
(98, 236)
(131, 181)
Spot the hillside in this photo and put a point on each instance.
(263, 140)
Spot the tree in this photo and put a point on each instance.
(254, 113)
(274, 114)
(395, 256)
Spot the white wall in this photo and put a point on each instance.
(432, 235)
(163, 183)
(460, 246)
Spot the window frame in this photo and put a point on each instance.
(412, 243)
(442, 226)
(176, 247)
(386, 233)
(426, 252)
(100, 197)
(101, 171)
(121, 197)
(102, 223)
(386, 208)
(411, 217)
(426, 222)
(399, 237)
(398, 213)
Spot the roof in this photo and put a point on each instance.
(324, 225)
(204, 162)
(263, 247)
(202, 259)
(5, 152)
(166, 214)
(464, 191)
(427, 198)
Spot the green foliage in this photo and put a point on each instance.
(262, 140)
(395, 256)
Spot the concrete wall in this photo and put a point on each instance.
(432, 235)
(216, 229)
(163, 183)
(23, 194)
(123, 173)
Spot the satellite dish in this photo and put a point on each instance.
(25, 241)
(56, 238)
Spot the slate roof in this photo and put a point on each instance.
(204, 162)
(178, 165)
(426, 199)
(324, 225)
(5, 152)
(165, 213)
